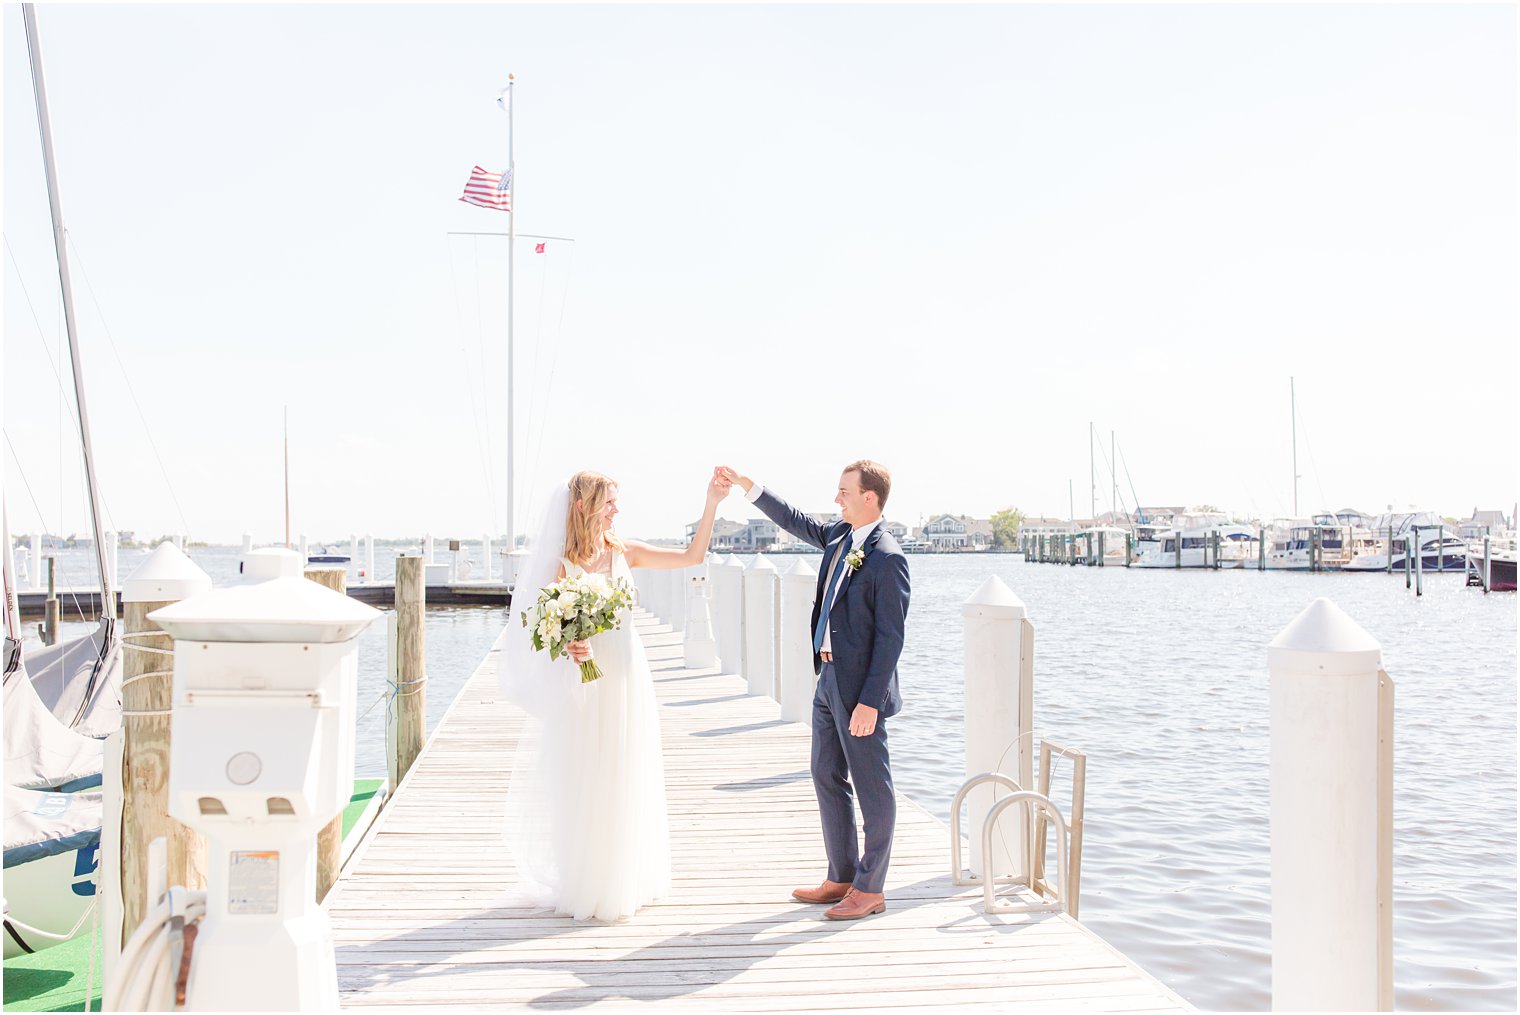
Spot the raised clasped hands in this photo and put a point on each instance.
(732, 477)
(718, 486)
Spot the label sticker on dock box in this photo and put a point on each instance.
(254, 884)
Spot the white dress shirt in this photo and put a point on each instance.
(857, 537)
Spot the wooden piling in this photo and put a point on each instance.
(147, 697)
(411, 662)
(50, 607)
(330, 838)
(1419, 564)
(1261, 549)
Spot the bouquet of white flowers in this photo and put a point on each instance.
(574, 609)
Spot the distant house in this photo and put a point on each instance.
(1035, 526)
(898, 530)
(1483, 523)
(726, 535)
(957, 532)
(753, 536)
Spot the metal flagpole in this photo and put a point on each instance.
(506, 101)
(34, 51)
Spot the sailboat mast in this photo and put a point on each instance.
(1092, 479)
(511, 252)
(34, 53)
(1293, 412)
(12, 607)
(287, 480)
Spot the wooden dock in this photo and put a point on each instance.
(421, 917)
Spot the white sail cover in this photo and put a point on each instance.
(40, 752)
(79, 681)
(41, 824)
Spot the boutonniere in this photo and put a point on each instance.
(854, 559)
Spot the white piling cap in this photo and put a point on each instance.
(271, 562)
(166, 575)
(287, 609)
(800, 567)
(994, 599)
(1324, 640)
(760, 563)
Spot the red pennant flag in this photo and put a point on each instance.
(538, 249)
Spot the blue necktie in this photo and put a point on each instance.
(828, 595)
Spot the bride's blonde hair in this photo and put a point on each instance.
(583, 536)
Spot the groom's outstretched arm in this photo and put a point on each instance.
(779, 511)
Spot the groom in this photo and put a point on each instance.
(857, 636)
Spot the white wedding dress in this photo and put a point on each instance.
(586, 811)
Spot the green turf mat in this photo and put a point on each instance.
(54, 978)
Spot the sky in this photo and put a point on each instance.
(956, 240)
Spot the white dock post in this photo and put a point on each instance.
(759, 621)
(34, 569)
(698, 649)
(353, 549)
(799, 585)
(485, 551)
(659, 586)
(113, 567)
(715, 605)
(999, 716)
(729, 576)
(247, 544)
(427, 549)
(1331, 816)
(304, 554)
(369, 561)
(680, 583)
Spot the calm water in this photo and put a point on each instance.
(1160, 677)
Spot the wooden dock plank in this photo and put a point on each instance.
(423, 916)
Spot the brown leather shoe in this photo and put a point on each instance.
(857, 904)
(829, 891)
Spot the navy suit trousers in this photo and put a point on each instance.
(840, 759)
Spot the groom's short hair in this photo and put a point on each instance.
(874, 477)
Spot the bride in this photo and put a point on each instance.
(586, 820)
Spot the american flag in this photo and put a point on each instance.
(489, 190)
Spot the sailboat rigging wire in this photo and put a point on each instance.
(41, 335)
(111, 341)
(480, 445)
(41, 518)
(1119, 453)
(1313, 465)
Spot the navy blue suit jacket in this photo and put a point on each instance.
(867, 619)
